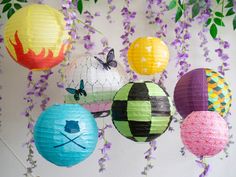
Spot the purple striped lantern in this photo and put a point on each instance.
(202, 90)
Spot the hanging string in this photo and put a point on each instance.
(202, 163)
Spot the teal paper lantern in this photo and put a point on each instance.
(65, 134)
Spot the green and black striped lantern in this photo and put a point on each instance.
(142, 111)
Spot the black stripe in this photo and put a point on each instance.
(160, 106)
(139, 91)
(119, 110)
(139, 129)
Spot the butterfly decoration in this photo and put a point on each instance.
(77, 92)
(110, 62)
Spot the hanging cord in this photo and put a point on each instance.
(203, 164)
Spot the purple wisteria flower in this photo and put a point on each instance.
(35, 91)
(112, 8)
(223, 45)
(181, 43)
(105, 149)
(203, 165)
(129, 30)
(149, 156)
(69, 11)
(87, 39)
(154, 13)
(41, 1)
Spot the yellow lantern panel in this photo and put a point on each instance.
(148, 55)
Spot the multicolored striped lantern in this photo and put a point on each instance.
(148, 55)
(35, 37)
(100, 84)
(65, 134)
(202, 90)
(141, 111)
(204, 133)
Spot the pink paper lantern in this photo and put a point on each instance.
(204, 133)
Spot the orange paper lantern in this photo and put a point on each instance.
(35, 37)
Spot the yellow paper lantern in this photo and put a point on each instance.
(35, 37)
(148, 55)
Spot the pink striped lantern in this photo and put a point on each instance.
(204, 133)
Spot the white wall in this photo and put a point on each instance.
(127, 159)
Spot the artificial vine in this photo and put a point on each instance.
(216, 18)
(112, 8)
(223, 45)
(129, 30)
(181, 43)
(106, 146)
(87, 38)
(80, 4)
(35, 90)
(10, 6)
(202, 164)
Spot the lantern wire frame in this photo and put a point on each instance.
(100, 84)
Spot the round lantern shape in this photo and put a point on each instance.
(141, 111)
(100, 84)
(204, 133)
(148, 55)
(65, 134)
(202, 90)
(35, 37)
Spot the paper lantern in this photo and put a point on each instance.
(100, 84)
(35, 37)
(202, 90)
(65, 134)
(148, 55)
(204, 133)
(141, 111)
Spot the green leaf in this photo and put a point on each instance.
(218, 1)
(17, 6)
(80, 6)
(219, 22)
(234, 22)
(5, 1)
(179, 14)
(195, 10)
(6, 7)
(229, 4)
(230, 12)
(191, 2)
(181, 5)
(208, 21)
(10, 12)
(184, 6)
(172, 4)
(219, 14)
(213, 30)
(22, 0)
